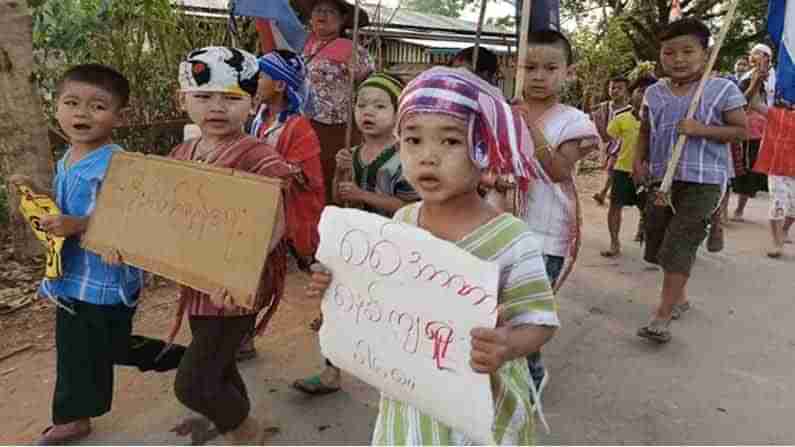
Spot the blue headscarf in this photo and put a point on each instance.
(292, 71)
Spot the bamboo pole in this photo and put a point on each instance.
(524, 30)
(477, 35)
(354, 65)
(663, 195)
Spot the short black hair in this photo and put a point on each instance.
(552, 37)
(100, 76)
(487, 60)
(687, 27)
(619, 78)
(643, 82)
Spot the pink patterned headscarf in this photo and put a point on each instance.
(496, 134)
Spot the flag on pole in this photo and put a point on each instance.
(544, 14)
(277, 24)
(781, 26)
(676, 11)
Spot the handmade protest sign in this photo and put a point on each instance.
(399, 312)
(202, 226)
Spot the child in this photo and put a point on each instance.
(96, 295)
(618, 89)
(452, 127)
(625, 128)
(673, 237)
(217, 85)
(378, 184)
(561, 136)
(777, 154)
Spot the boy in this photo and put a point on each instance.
(488, 64)
(377, 185)
(618, 89)
(672, 238)
(217, 85)
(625, 128)
(96, 295)
(561, 136)
(444, 161)
(777, 154)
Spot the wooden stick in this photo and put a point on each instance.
(477, 36)
(354, 65)
(663, 195)
(524, 31)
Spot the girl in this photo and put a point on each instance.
(453, 127)
(377, 185)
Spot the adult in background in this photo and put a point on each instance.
(741, 67)
(328, 57)
(747, 182)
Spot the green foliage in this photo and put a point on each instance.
(449, 8)
(144, 39)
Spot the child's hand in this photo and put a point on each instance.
(490, 349)
(348, 191)
(321, 280)
(345, 159)
(691, 128)
(640, 171)
(111, 257)
(63, 225)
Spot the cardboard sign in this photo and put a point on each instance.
(399, 312)
(202, 226)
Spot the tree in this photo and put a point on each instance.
(449, 8)
(24, 146)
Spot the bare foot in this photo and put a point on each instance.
(615, 250)
(64, 433)
(774, 254)
(247, 433)
(198, 427)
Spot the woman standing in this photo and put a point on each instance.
(329, 60)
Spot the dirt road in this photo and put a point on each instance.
(726, 378)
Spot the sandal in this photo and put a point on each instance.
(314, 387)
(48, 439)
(679, 310)
(657, 330)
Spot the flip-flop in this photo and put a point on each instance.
(610, 253)
(314, 386)
(70, 437)
(656, 330)
(679, 310)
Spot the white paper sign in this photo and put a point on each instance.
(399, 312)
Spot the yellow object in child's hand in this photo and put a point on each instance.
(33, 207)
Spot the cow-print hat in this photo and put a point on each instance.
(219, 69)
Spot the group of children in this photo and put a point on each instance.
(426, 151)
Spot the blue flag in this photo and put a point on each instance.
(277, 10)
(781, 26)
(544, 14)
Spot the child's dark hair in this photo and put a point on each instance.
(687, 27)
(643, 82)
(552, 37)
(100, 76)
(619, 78)
(487, 60)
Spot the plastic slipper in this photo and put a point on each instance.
(48, 439)
(314, 387)
(679, 310)
(656, 330)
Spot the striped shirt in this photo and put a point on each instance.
(525, 297)
(703, 160)
(384, 175)
(85, 276)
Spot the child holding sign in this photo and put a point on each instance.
(96, 296)
(453, 127)
(217, 85)
(378, 184)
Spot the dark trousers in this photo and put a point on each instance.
(88, 345)
(208, 381)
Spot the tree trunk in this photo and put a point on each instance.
(24, 144)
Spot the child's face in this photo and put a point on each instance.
(545, 72)
(375, 115)
(618, 90)
(268, 90)
(434, 153)
(683, 58)
(87, 114)
(218, 114)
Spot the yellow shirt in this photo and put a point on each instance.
(626, 128)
